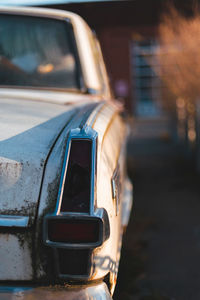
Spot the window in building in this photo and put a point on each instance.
(146, 81)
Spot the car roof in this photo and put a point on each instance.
(37, 11)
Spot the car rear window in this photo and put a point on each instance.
(38, 52)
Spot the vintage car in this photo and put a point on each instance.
(65, 198)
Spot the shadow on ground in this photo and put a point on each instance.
(161, 249)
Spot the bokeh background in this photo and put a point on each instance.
(152, 52)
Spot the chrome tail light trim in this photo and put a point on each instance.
(84, 133)
(100, 216)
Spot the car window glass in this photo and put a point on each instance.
(37, 52)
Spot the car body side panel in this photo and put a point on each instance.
(28, 131)
(105, 121)
(16, 262)
(17, 245)
(112, 134)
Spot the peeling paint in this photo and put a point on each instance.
(44, 255)
(25, 237)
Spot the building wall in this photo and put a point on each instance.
(115, 44)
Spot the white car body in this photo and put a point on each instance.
(37, 129)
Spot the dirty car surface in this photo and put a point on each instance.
(65, 196)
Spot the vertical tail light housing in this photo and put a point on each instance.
(77, 226)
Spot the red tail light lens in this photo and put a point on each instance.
(73, 231)
(76, 193)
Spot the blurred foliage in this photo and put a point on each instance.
(179, 53)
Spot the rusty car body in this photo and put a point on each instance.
(64, 194)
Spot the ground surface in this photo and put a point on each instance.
(161, 249)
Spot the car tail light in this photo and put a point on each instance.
(73, 261)
(77, 226)
(73, 231)
(77, 185)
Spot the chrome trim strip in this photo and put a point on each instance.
(14, 289)
(116, 187)
(91, 119)
(13, 221)
(54, 292)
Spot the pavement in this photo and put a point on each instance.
(161, 249)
